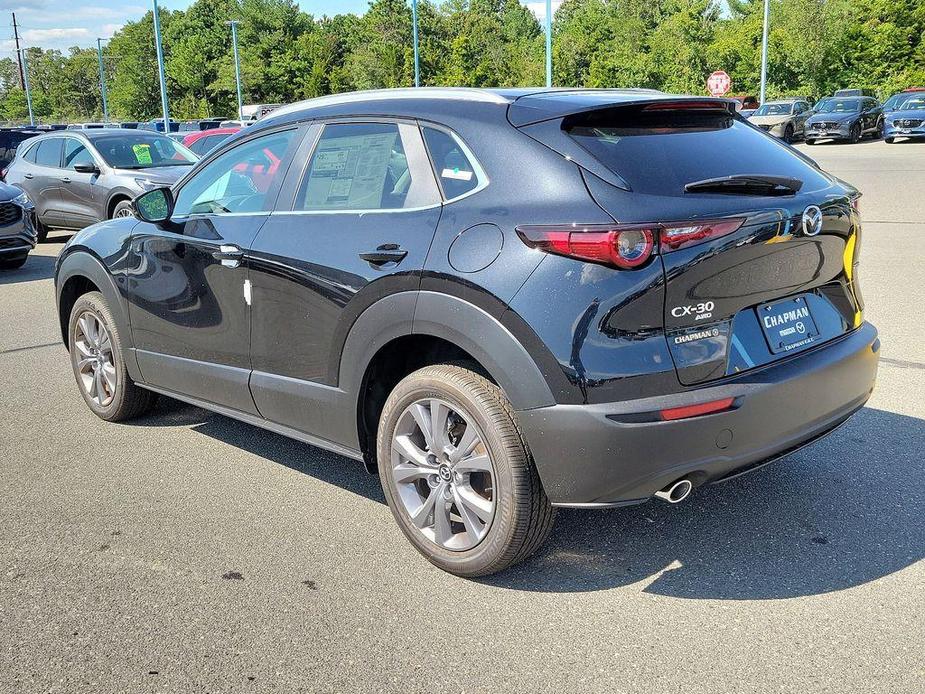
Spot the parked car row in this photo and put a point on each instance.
(847, 116)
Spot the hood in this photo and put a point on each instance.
(157, 174)
(917, 113)
(833, 117)
(8, 192)
(769, 120)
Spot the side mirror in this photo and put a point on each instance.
(87, 168)
(155, 206)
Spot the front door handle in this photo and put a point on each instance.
(28, 176)
(230, 255)
(386, 253)
(65, 179)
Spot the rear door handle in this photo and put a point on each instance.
(386, 253)
(230, 255)
(65, 179)
(28, 176)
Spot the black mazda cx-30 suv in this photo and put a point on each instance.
(502, 301)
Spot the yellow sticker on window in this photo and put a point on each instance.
(142, 154)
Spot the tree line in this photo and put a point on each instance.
(815, 47)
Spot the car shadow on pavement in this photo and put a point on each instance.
(310, 460)
(840, 513)
(37, 267)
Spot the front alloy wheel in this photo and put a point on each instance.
(444, 474)
(96, 368)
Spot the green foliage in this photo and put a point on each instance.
(816, 46)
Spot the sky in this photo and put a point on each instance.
(64, 23)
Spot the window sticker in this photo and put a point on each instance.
(350, 172)
(456, 174)
(142, 153)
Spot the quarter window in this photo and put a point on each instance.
(238, 180)
(48, 152)
(457, 173)
(367, 166)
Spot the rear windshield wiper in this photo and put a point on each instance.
(746, 184)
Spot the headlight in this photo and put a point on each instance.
(22, 200)
(147, 184)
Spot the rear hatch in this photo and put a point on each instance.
(759, 246)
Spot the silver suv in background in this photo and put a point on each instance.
(784, 118)
(76, 178)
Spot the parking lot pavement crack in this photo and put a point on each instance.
(902, 363)
(12, 350)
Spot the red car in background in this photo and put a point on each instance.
(202, 141)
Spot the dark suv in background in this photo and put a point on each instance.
(847, 119)
(502, 301)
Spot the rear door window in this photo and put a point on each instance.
(657, 151)
(49, 152)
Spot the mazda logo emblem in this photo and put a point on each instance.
(812, 220)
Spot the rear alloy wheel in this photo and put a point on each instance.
(457, 474)
(123, 209)
(98, 364)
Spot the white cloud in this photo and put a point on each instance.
(110, 29)
(55, 35)
(539, 8)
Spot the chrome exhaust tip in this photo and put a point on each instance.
(676, 492)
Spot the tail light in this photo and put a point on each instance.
(625, 246)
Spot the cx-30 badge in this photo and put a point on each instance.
(812, 220)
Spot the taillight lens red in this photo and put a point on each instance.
(625, 246)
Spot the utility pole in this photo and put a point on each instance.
(548, 43)
(414, 34)
(22, 79)
(99, 54)
(237, 66)
(764, 50)
(25, 72)
(160, 68)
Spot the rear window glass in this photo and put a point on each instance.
(659, 151)
(454, 169)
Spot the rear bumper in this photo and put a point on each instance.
(585, 457)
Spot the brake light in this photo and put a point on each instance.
(686, 104)
(680, 235)
(624, 246)
(703, 408)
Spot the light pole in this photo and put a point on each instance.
(99, 54)
(237, 66)
(414, 37)
(160, 68)
(25, 78)
(764, 50)
(548, 43)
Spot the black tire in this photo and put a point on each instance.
(889, 140)
(878, 133)
(127, 399)
(788, 134)
(13, 263)
(41, 231)
(122, 207)
(855, 134)
(523, 516)
(809, 142)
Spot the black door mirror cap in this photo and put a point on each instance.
(87, 168)
(154, 206)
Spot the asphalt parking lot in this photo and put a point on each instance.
(186, 552)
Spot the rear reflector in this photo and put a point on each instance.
(673, 413)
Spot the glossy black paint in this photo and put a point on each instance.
(284, 337)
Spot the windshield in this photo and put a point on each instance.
(774, 110)
(914, 104)
(134, 150)
(839, 106)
